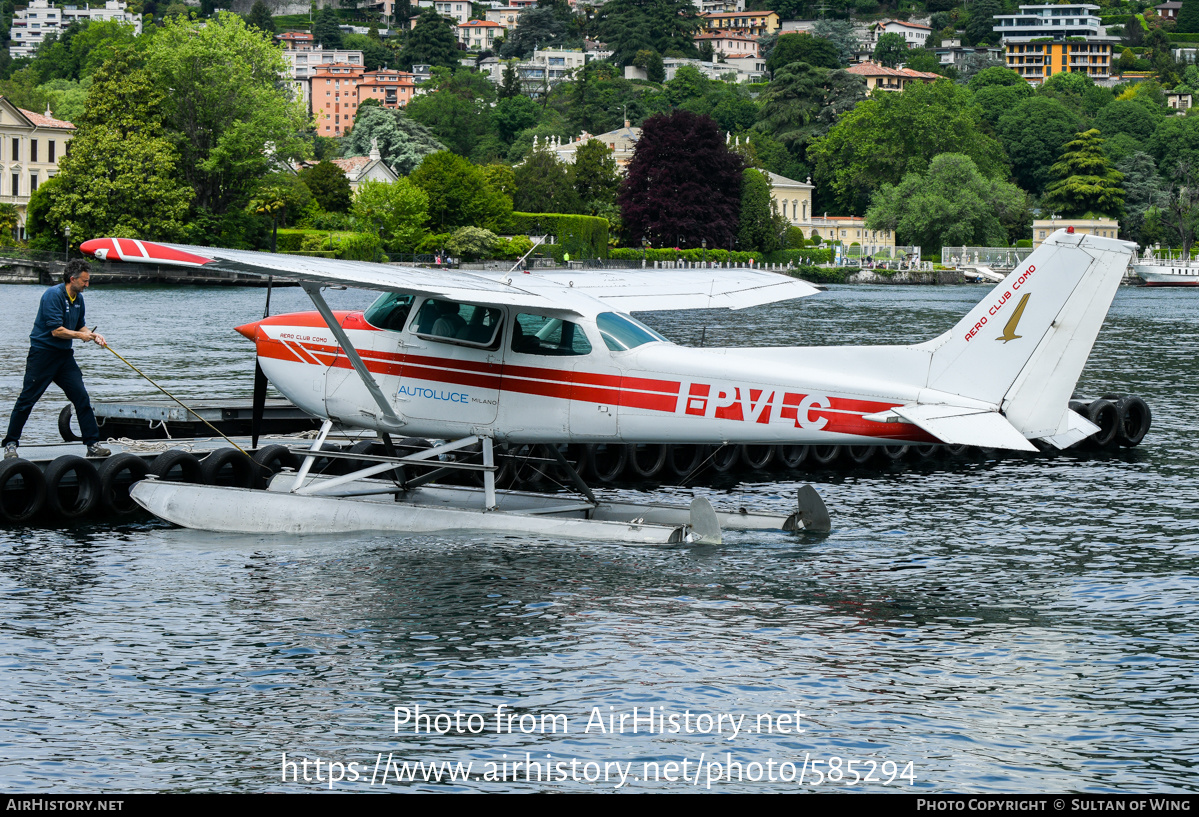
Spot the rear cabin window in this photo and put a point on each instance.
(539, 335)
(621, 333)
(453, 322)
(390, 311)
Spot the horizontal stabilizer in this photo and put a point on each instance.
(956, 425)
(1072, 428)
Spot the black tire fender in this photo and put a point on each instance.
(606, 461)
(859, 454)
(684, 460)
(1135, 420)
(1104, 414)
(118, 474)
(646, 460)
(66, 501)
(757, 457)
(64, 425)
(793, 456)
(230, 467)
(825, 455)
(20, 503)
(894, 453)
(726, 458)
(272, 459)
(166, 464)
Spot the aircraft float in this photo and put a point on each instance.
(475, 358)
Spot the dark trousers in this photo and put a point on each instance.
(58, 366)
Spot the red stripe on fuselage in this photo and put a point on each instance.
(844, 415)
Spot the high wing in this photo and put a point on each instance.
(620, 290)
(448, 284)
(660, 290)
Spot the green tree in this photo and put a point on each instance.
(459, 195)
(803, 48)
(472, 243)
(760, 226)
(664, 26)
(510, 87)
(430, 42)
(801, 103)
(890, 135)
(1188, 17)
(222, 103)
(923, 59)
(1033, 133)
(1175, 141)
(397, 212)
(326, 28)
(980, 27)
(458, 113)
(260, 17)
(512, 115)
(536, 27)
(375, 54)
(596, 177)
(1140, 188)
(121, 175)
(544, 185)
(329, 186)
(1084, 180)
(890, 50)
(402, 143)
(951, 204)
(841, 34)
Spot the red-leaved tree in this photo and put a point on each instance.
(683, 184)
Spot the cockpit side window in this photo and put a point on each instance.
(390, 311)
(539, 335)
(453, 322)
(621, 332)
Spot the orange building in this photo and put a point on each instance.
(339, 88)
(335, 96)
(392, 88)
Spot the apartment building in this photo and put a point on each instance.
(40, 18)
(889, 79)
(745, 23)
(1043, 40)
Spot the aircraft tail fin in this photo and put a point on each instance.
(1019, 353)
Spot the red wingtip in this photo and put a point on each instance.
(90, 246)
(248, 330)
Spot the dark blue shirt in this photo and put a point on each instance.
(55, 310)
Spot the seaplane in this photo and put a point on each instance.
(477, 359)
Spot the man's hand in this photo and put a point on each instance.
(99, 339)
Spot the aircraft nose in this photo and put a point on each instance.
(248, 330)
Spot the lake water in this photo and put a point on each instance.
(977, 625)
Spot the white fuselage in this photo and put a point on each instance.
(655, 392)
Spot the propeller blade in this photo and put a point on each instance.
(259, 403)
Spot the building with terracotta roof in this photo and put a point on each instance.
(745, 23)
(889, 79)
(727, 43)
(914, 35)
(393, 89)
(477, 35)
(31, 145)
(335, 97)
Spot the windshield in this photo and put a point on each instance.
(621, 332)
(389, 311)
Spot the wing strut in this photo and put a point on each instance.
(389, 418)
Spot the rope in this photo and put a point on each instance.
(148, 446)
(176, 399)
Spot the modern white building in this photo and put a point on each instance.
(31, 24)
(1058, 22)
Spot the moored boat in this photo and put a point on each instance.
(1166, 272)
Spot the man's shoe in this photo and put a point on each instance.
(97, 450)
(10, 451)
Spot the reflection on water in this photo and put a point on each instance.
(1006, 624)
